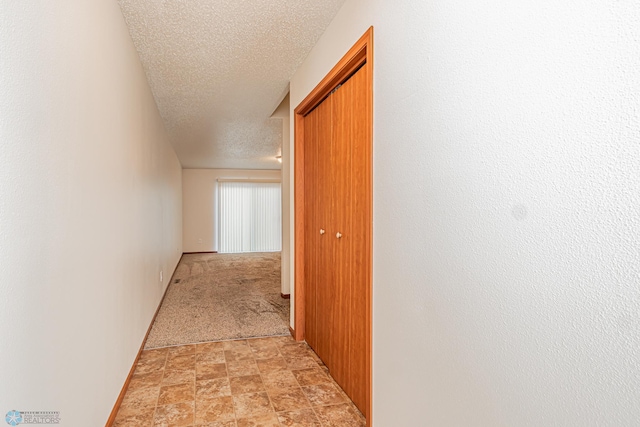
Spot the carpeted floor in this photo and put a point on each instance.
(216, 297)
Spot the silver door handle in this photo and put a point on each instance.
(338, 235)
(322, 231)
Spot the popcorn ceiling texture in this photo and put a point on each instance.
(218, 69)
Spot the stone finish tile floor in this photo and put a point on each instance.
(262, 382)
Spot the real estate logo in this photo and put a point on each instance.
(14, 418)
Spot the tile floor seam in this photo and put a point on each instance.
(299, 386)
(233, 403)
(195, 385)
(277, 417)
(317, 416)
(265, 389)
(310, 404)
(305, 394)
(164, 370)
(313, 408)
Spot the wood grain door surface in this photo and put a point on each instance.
(336, 265)
(325, 291)
(311, 222)
(360, 234)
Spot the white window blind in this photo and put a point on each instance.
(250, 216)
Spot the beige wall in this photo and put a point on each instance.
(506, 195)
(200, 204)
(90, 207)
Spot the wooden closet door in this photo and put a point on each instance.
(311, 233)
(337, 159)
(338, 201)
(342, 133)
(325, 291)
(337, 302)
(361, 189)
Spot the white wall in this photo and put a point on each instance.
(90, 207)
(200, 204)
(507, 209)
(283, 112)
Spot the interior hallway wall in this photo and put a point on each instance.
(506, 208)
(90, 207)
(283, 112)
(200, 204)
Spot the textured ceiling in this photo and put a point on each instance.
(219, 68)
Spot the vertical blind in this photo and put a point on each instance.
(250, 216)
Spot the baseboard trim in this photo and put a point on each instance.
(202, 252)
(125, 387)
(285, 296)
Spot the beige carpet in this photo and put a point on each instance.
(222, 296)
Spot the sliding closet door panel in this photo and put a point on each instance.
(311, 230)
(337, 262)
(343, 115)
(360, 241)
(325, 293)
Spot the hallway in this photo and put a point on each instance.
(198, 368)
(266, 382)
(505, 207)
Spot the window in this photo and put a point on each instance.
(250, 216)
